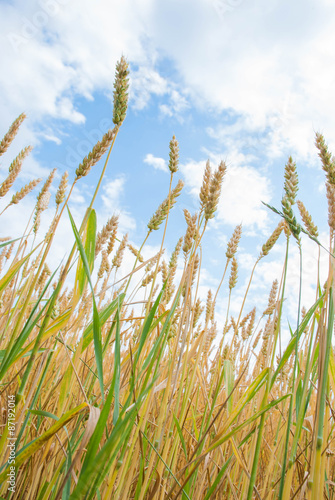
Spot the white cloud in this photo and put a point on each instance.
(144, 82)
(243, 191)
(147, 82)
(77, 195)
(70, 51)
(177, 105)
(51, 137)
(265, 63)
(112, 193)
(157, 163)
(111, 198)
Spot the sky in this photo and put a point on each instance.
(245, 82)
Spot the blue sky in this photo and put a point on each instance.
(234, 80)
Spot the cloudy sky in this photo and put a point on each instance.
(245, 82)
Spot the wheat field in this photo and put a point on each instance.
(129, 389)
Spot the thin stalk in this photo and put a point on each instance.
(161, 248)
(324, 356)
(267, 389)
(243, 302)
(290, 412)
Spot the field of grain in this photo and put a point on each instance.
(129, 389)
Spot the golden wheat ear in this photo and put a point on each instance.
(10, 135)
(61, 191)
(24, 191)
(121, 85)
(160, 215)
(272, 239)
(14, 170)
(233, 242)
(215, 191)
(174, 155)
(43, 199)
